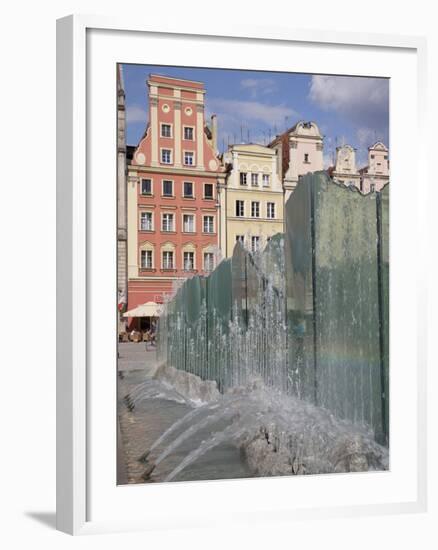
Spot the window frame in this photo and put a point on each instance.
(163, 214)
(268, 204)
(208, 253)
(142, 212)
(193, 268)
(204, 217)
(162, 188)
(253, 203)
(141, 187)
(236, 210)
(188, 151)
(212, 192)
(146, 251)
(193, 217)
(163, 266)
(170, 125)
(243, 175)
(192, 196)
(162, 149)
(192, 128)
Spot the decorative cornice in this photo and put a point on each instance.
(177, 171)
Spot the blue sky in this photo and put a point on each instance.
(257, 105)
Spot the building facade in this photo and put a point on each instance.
(300, 151)
(122, 253)
(173, 180)
(345, 170)
(376, 174)
(252, 202)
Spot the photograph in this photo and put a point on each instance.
(252, 303)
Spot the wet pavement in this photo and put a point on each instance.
(142, 426)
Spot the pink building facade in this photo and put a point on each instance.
(173, 181)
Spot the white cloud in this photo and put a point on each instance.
(364, 101)
(245, 111)
(135, 113)
(258, 86)
(346, 92)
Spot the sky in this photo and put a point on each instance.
(253, 106)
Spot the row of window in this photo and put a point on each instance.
(255, 209)
(167, 157)
(168, 260)
(254, 179)
(167, 189)
(168, 222)
(167, 131)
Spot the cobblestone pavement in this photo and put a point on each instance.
(140, 427)
(134, 356)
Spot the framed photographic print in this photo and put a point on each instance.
(236, 304)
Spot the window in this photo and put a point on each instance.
(167, 259)
(208, 224)
(208, 261)
(208, 190)
(255, 209)
(166, 130)
(254, 180)
(146, 259)
(146, 187)
(255, 243)
(240, 238)
(270, 210)
(188, 189)
(167, 188)
(243, 178)
(188, 133)
(372, 188)
(386, 157)
(372, 156)
(306, 157)
(189, 158)
(240, 208)
(265, 180)
(167, 224)
(146, 221)
(188, 223)
(189, 261)
(166, 156)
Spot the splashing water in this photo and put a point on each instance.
(279, 435)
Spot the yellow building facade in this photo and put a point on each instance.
(252, 200)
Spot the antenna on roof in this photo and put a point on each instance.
(241, 133)
(286, 118)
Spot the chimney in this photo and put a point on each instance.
(214, 132)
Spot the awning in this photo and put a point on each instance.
(149, 309)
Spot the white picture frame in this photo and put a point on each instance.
(78, 216)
